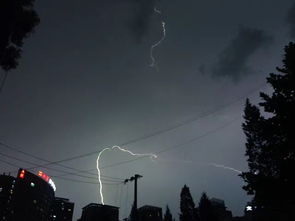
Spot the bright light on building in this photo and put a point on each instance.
(22, 174)
(51, 183)
(249, 208)
(47, 179)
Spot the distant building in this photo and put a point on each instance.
(7, 184)
(61, 210)
(149, 213)
(99, 212)
(220, 210)
(26, 197)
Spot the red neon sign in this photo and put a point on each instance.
(22, 174)
(44, 176)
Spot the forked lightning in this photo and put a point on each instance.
(152, 156)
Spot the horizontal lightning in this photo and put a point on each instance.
(152, 156)
(205, 163)
(225, 167)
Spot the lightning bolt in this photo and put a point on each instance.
(205, 163)
(225, 167)
(153, 63)
(152, 156)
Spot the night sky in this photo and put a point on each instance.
(84, 83)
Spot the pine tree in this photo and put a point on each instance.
(270, 146)
(187, 205)
(167, 215)
(205, 209)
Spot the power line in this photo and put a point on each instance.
(140, 138)
(9, 163)
(175, 146)
(45, 166)
(127, 161)
(160, 131)
(68, 179)
(38, 166)
(81, 181)
(199, 137)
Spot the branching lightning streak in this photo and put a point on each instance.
(152, 156)
(206, 163)
(225, 167)
(153, 63)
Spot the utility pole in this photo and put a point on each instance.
(134, 207)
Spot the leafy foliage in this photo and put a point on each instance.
(17, 21)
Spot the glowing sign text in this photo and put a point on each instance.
(47, 179)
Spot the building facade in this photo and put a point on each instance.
(62, 210)
(99, 212)
(26, 197)
(7, 184)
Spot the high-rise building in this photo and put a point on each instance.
(26, 197)
(149, 213)
(99, 212)
(61, 210)
(7, 183)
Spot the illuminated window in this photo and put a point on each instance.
(249, 208)
(32, 184)
(34, 201)
(1, 189)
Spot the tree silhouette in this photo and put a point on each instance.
(206, 212)
(270, 146)
(17, 20)
(167, 215)
(187, 205)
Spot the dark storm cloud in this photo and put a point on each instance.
(232, 62)
(291, 20)
(143, 10)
